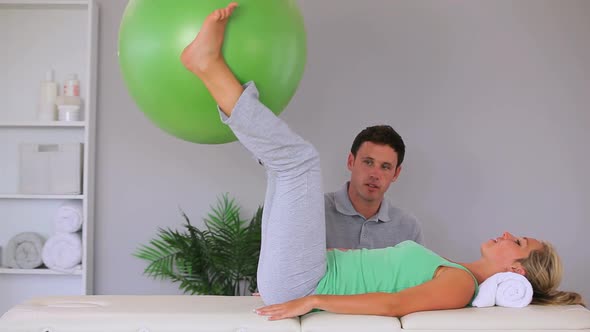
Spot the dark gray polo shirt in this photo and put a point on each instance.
(346, 228)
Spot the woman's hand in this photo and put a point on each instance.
(289, 309)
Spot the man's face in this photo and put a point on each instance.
(372, 171)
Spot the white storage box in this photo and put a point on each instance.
(50, 168)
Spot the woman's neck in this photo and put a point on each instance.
(481, 270)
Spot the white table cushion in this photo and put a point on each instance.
(330, 322)
(175, 313)
(532, 317)
(179, 313)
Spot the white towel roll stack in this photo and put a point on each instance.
(63, 251)
(23, 251)
(69, 217)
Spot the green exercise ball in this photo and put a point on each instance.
(265, 42)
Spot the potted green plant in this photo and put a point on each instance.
(220, 260)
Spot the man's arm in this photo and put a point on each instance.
(419, 238)
(452, 288)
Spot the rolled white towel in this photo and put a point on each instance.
(23, 251)
(63, 251)
(505, 289)
(68, 218)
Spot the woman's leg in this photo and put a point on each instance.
(293, 249)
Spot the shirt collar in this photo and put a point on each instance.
(344, 205)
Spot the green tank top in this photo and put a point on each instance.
(388, 270)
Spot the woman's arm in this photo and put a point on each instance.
(452, 288)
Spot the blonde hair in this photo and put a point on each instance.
(544, 270)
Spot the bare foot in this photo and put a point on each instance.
(204, 52)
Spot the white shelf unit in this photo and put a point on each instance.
(42, 35)
(38, 271)
(26, 196)
(35, 124)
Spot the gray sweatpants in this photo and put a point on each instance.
(293, 249)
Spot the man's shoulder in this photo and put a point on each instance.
(406, 221)
(400, 215)
(330, 199)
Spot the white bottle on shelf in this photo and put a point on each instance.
(72, 86)
(46, 111)
(69, 103)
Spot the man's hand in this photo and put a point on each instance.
(289, 309)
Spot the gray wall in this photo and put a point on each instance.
(492, 98)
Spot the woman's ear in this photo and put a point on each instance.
(517, 268)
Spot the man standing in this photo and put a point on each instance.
(357, 215)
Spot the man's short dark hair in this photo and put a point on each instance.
(383, 135)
